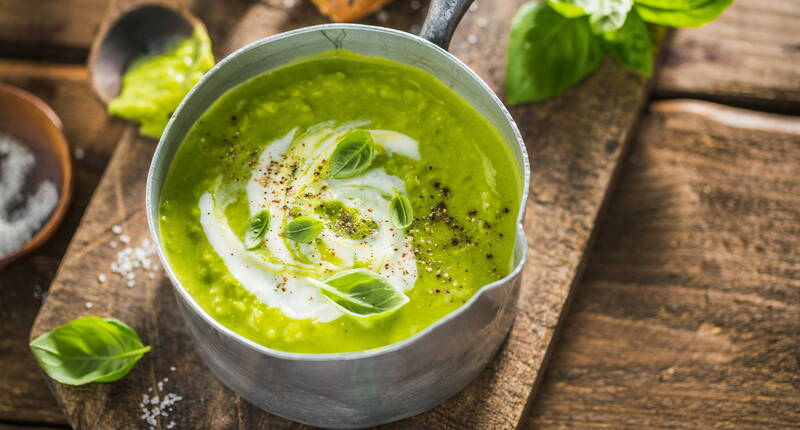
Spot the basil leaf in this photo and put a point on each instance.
(548, 53)
(692, 14)
(400, 211)
(88, 349)
(353, 154)
(604, 15)
(571, 8)
(303, 229)
(362, 293)
(256, 229)
(609, 15)
(674, 4)
(631, 45)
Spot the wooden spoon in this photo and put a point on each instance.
(132, 28)
(34, 124)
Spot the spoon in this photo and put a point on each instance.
(30, 120)
(132, 28)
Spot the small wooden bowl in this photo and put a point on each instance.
(34, 124)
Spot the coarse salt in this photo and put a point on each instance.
(131, 260)
(155, 407)
(21, 214)
(38, 293)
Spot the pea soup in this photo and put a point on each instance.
(339, 203)
(154, 85)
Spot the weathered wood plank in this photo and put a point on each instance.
(62, 29)
(750, 55)
(576, 142)
(9, 426)
(41, 28)
(22, 284)
(687, 314)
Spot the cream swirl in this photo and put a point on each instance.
(289, 179)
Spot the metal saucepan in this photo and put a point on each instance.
(366, 388)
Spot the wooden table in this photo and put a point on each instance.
(688, 312)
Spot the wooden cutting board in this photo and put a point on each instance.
(575, 142)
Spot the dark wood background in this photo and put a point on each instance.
(688, 313)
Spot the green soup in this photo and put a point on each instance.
(154, 85)
(268, 156)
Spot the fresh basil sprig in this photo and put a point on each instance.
(631, 45)
(362, 293)
(604, 15)
(400, 210)
(681, 13)
(353, 154)
(303, 229)
(548, 53)
(88, 349)
(256, 229)
(554, 44)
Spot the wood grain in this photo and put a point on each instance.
(49, 30)
(4, 426)
(57, 23)
(750, 55)
(575, 140)
(687, 314)
(23, 283)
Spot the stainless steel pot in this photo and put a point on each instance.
(357, 389)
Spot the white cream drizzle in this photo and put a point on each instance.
(281, 281)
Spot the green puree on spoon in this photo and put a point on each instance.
(154, 85)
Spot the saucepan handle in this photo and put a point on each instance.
(442, 20)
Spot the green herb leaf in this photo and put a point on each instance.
(609, 15)
(674, 4)
(548, 53)
(362, 293)
(571, 8)
(400, 211)
(303, 229)
(604, 15)
(256, 228)
(88, 349)
(631, 45)
(681, 13)
(353, 154)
